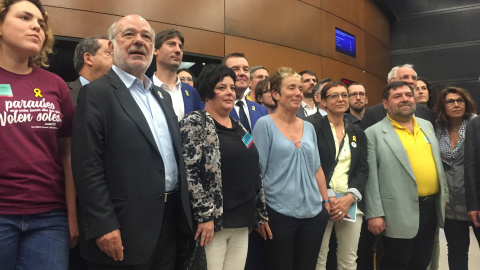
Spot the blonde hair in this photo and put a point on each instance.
(41, 58)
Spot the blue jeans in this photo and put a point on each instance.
(38, 241)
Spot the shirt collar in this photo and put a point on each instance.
(398, 126)
(128, 79)
(159, 83)
(83, 81)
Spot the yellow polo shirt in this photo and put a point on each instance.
(419, 152)
(339, 181)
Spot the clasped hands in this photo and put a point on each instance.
(339, 207)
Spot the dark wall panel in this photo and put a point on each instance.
(436, 29)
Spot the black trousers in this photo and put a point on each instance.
(296, 242)
(164, 255)
(365, 251)
(457, 233)
(415, 253)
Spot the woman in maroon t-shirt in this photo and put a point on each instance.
(37, 196)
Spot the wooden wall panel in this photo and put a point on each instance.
(374, 87)
(377, 57)
(80, 24)
(205, 14)
(315, 3)
(336, 70)
(295, 33)
(349, 10)
(273, 56)
(283, 22)
(329, 22)
(376, 23)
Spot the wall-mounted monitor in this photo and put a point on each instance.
(345, 43)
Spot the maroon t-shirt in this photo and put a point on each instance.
(35, 110)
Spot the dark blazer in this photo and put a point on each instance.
(254, 109)
(301, 113)
(191, 98)
(472, 165)
(119, 172)
(74, 89)
(358, 174)
(376, 113)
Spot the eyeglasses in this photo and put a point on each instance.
(186, 79)
(336, 95)
(361, 94)
(451, 102)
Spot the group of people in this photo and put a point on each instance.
(236, 169)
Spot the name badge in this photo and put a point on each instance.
(6, 90)
(247, 140)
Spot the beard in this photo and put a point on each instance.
(405, 114)
(120, 58)
(357, 109)
(308, 94)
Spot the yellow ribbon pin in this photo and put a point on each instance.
(354, 138)
(38, 92)
(253, 108)
(186, 93)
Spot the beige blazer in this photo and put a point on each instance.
(391, 189)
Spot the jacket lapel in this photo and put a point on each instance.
(393, 141)
(131, 108)
(328, 135)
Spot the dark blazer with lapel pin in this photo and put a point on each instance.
(254, 109)
(74, 89)
(358, 174)
(191, 98)
(119, 172)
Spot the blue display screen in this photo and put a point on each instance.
(345, 43)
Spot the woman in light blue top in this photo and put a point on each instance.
(293, 179)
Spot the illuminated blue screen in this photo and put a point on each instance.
(345, 43)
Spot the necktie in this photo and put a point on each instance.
(243, 116)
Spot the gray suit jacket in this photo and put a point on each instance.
(74, 90)
(391, 190)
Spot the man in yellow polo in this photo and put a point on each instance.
(406, 190)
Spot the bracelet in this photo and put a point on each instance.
(325, 201)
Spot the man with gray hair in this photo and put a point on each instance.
(404, 73)
(127, 161)
(92, 60)
(257, 74)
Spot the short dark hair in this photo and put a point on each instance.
(432, 93)
(165, 35)
(255, 68)
(325, 80)
(394, 85)
(261, 88)
(189, 72)
(439, 109)
(209, 77)
(87, 45)
(233, 55)
(308, 72)
(323, 93)
(348, 87)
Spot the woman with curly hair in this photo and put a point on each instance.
(37, 197)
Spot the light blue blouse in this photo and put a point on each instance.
(288, 173)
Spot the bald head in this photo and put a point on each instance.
(132, 44)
